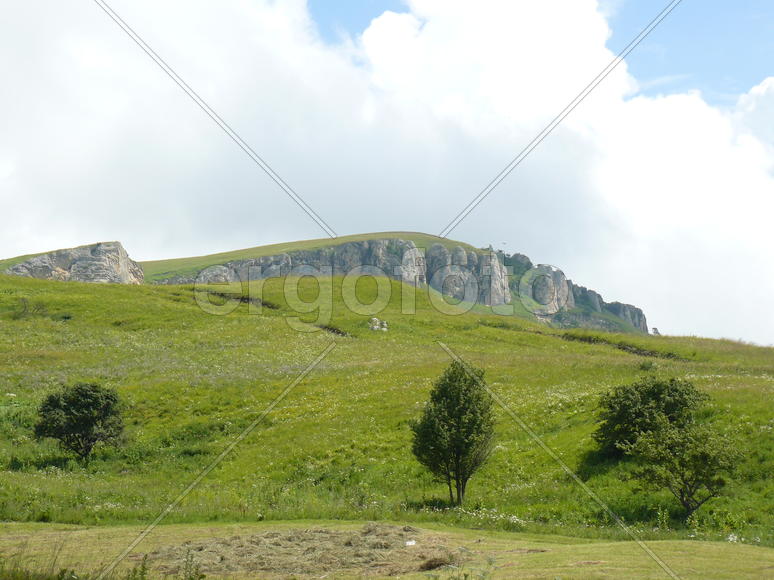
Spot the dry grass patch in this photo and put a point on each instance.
(373, 550)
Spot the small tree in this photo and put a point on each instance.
(80, 416)
(692, 462)
(453, 438)
(629, 410)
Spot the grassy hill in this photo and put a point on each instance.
(337, 448)
(186, 268)
(161, 269)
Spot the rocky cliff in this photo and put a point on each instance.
(588, 301)
(106, 262)
(481, 276)
(566, 304)
(473, 276)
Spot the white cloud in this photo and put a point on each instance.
(755, 110)
(663, 202)
(695, 192)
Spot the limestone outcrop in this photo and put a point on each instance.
(482, 276)
(475, 276)
(468, 275)
(590, 299)
(629, 313)
(105, 262)
(548, 287)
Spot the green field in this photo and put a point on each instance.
(337, 447)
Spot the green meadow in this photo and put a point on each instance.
(337, 447)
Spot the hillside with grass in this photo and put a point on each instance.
(156, 270)
(497, 282)
(338, 446)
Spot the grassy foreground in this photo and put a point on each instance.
(484, 553)
(337, 448)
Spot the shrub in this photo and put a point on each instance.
(692, 462)
(80, 416)
(629, 410)
(453, 438)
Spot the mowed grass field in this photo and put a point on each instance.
(337, 447)
(479, 553)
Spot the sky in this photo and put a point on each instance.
(718, 47)
(657, 190)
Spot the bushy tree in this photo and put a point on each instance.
(454, 436)
(629, 410)
(692, 462)
(80, 416)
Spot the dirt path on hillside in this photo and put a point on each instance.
(375, 549)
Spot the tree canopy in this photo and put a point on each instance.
(80, 416)
(629, 410)
(692, 462)
(453, 438)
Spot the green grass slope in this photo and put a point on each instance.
(338, 446)
(161, 269)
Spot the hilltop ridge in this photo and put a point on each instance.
(455, 269)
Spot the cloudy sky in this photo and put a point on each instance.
(384, 115)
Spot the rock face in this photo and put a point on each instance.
(479, 276)
(593, 301)
(106, 262)
(630, 314)
(586, 297)
(549, 288)
(473, 276)
(469, 276)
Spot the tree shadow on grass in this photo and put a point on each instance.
(597, 462)
(631, 508)
(429, 504)
(24, 463)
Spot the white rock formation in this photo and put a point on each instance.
(106, 262)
